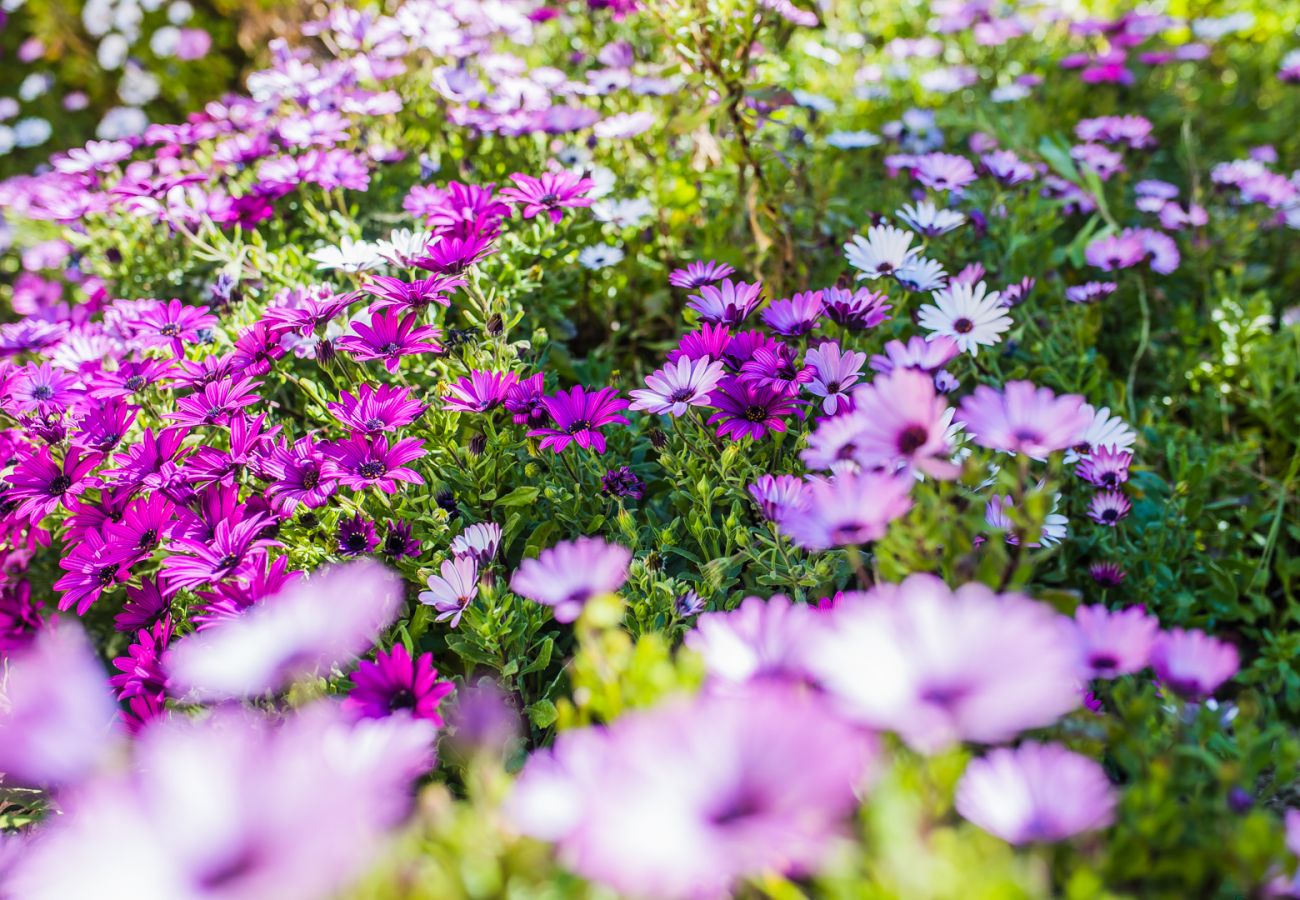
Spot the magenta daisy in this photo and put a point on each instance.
(773, 367)
(569, 574)
(91, 568)
(678, 386)
(410, 295)
(850, 508)
(1024, 419)
(524, 399)
(834, 373)
(201, 561)
(362, 462)
(745, 409)
(710, 342)
(576, 415)
(356, 536)
(1191, 663)
(390, 336)
(1108, 508)
(42, 484)
(728, 303)
(796, 315)
(776, 493)
(172, 324)
(700, 273)
(480, 391)
(902, 422)
(451, 592)
(551, 194)
(297, 476)
(372, 410)
(856, 309)
(1115, 643)
(216, 402)
(42, 388)
(396, 683)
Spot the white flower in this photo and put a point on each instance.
(600, 256)
(623, 213)
(164, 41)
(403, 244)
(929, 220)
(884, 249)
(852, 140)
(137, 87)
(32, 132)
(921, 274)
(1105, 430)
(122, 122)
(349, 255)
(969, 315)
(180, 12)
(33, 86)
(112, 51)
(815, 102)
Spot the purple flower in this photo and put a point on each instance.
(927, 356)
(849, 508)
(943, 171)
(145, 605)
(940, 666)
(20, 617)
(171, 325)
(390, 336)
(1108, 508)
(42, 388)
(477, 541)
(129, 379)
(1106, 574)
(227, 600)
(622, 482)
(371, 411)
(834, 372)
(1191, 663)
(1024, 419)
(728, 303)
(297, 475)
(398, 542)
(395, 682)
(361, 462)
(103, 425)
(776, 493)
(795, 316)
(55, 722)
(678, 386)
(1133, 131)
(774, 368)
(698, 274)
(524, 399)
(356, 536)
(146, 524)
(480, 391)
(310, 626)
(576, 415)
(748, 410)
(409, 296)
(92, 567)
(1115, 643)
(724, 778)
(452, 254)
(710, 342)
(551, 194)
(202, 561)
(1090, 292)
(1035, 792)
(454, 590)
(142, 683)
(216, 402)
(569, 574)
(758, 639)
(42, 485)
(858, 310)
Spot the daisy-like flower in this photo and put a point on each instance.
(758, 639)
(775, 493)
(1133, 131)
(395, 683)
(796, 315)
(882, 252)
(919, 275)
(1106, 574)
(678, 386)
(1116, 251)
(927, 219)
(348, 256)
(1035, 792)
(1090, 292)
(569, 574)
(42, 388)
(362, 462)
(1115, 643)
(745, 409)
(1108, 508)
(1007, 168)
(452, 254)
(835, 372)
(404, 245)
(923, 355)
(742, 347)
(454, 590)
(1103, 430)
(217, 402)
(774, 367)
(710, 342)
(478, 542)
(390, 336)
(998, 514)
(372, 410)
(1105, 467)
(524, 400)
(356, 536)
(729, 303)
(577, 414)
(943, 171)
(297, 475)
(203, 560)
(902, 422)
(145, 605)
(971, 316)
(940, 666)
(698, 274)
(128, 379)
(850, 508)
(859, 310)
(479, 391)
(1191, 663)
(91, 567)
(553, 193)
(600, 256)
(40, 484)
(171, 324)
(1024, 419)
(409, 296)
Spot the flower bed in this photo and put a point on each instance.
(671, 449)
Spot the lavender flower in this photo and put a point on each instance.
(569, 574)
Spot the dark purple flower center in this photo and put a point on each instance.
(42, 392)
(578, 425)
(374, 423)
(60, 484)
(215, 411)
(744, 804)
(1027, 436)
(1103, 662)
(310, 479)
(229, 871)
(681, 395)
(833, 387)
(756, 414)
(170, 330)
(912, 437)
(107, 575)
(355, 542)
(371, 469)
(963, 326)
(848, 532)
(1109, 515)
(548, 199)
(228, 561)
(945, 695)
(134, 383)
(391, 347)
(149, 539)
(402, 698)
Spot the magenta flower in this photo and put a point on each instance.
(678, 386)
(723, 777)
(774, 368)
(1132, 131)
(576, 415)
(1108, 508)
(795, 316)
(524, 399)
(742, 347)
(710, 342)
(569, 574)
(297, 475)
(698, 274)
(171, 324)
(454, 590)
(20, 617)
(901, 423)
(1035, 792)
(1106, 574)
(452, 254)
(748, 410)
(42, 388)
(216, 402)
(261, 578)
(551, 194)
(312, 625)
(145, 605)
(393, 683)
(776, 493)
(142, 683)
(390, 336)
(940, 666)
(41, 484)
(927, 356)
(1024, 419)
(1115, 643)
(398, 542)
(758, 639)
(834, 372)
(356, 536)
(145, 525)
(944, 171)
(361, 462)
(850, 508)
(480, 391)
(202, 561)
(410, 296)
(92, 567)
(1116, 251)
(729, 303)
(1105, 467)
(103, 425)
(129, 379)
(1191, 663)
(372, 410)
(856, 309)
